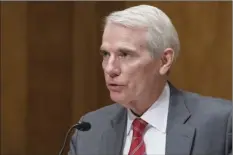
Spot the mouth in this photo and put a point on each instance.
(115, 87)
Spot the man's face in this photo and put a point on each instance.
(130, 70)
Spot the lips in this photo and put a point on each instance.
(115, 87)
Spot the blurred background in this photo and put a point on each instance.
(51, 68)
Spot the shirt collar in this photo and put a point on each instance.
(156, 115)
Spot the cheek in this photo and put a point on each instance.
(103, 65)
(137, 81)
(141, 78)
(103, 68)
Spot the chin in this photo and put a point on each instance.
(119, 98)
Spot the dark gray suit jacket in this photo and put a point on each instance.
(197, 125)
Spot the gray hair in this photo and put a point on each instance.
(161, 33)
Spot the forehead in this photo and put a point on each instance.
(116, 36)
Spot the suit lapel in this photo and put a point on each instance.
(179, 134)
(113, 137)
(179, 137)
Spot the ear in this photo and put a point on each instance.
(166, 61)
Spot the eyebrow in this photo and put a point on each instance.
(123, 49)
(102, 48)
(127, 49)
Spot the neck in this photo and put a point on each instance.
(139, 107)
(137, 115)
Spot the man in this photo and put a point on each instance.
(151, 116)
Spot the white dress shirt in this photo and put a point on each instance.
(155, 132)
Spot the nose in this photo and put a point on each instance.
(111, 68)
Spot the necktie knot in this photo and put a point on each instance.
(139, 126)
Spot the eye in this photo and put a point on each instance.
(104, 53)
(123, 54)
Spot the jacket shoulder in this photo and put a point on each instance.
(199, 104)
(102, 114)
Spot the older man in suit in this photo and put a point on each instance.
(150, 116)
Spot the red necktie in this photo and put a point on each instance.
(137, 145)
